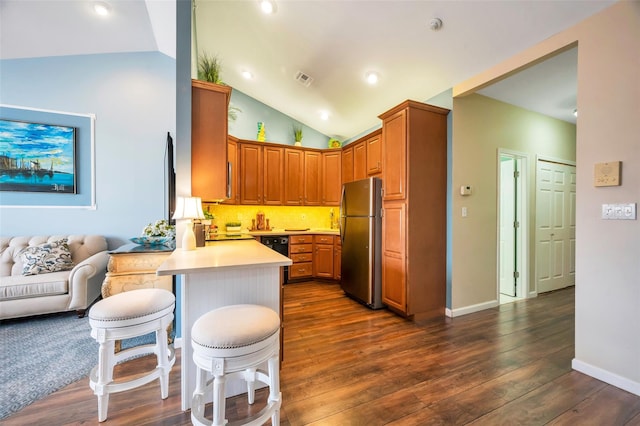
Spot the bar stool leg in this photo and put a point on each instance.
(105, 375)
(198, 402)
(250, 378)
(163, 361)
(274, 387)
(219, 400)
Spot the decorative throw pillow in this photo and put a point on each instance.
(48, 257)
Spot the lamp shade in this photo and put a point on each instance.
(188, 208)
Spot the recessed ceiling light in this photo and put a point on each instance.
(268, 6)
(372, 78)
(324, 115)
(102, 8)
(247, 75)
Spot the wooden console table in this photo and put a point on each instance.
(133, 266)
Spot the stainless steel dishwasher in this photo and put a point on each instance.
(279, 243)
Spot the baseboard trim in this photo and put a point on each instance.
(451, 313)
(606, 376)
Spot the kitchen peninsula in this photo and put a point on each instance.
(225, 273)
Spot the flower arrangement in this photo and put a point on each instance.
(160, 228)
(157, 233)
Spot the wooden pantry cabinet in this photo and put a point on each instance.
(209, 108)
(414, 161)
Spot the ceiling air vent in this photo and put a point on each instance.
(303, 79)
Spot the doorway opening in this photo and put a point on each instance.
(512, 226)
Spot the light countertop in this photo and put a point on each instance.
(221, 255)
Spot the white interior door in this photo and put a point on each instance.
(512, 227)
(555, 225)
(507, 269)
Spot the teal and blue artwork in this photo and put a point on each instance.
(36, 157)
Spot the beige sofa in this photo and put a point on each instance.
(47, 292)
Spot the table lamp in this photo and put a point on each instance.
(188, 208)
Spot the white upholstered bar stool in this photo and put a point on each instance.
(123, 316)
(233, 342)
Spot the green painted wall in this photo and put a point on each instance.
(481, 126)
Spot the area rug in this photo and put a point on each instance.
(42, 354)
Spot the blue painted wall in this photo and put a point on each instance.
(133, 97)
(279, 127)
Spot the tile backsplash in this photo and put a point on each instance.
(280, 217)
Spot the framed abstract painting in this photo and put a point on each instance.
(37, 157)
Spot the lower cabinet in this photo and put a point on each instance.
(323, 256)
(337, 258)
(314, 256)
(301, 253)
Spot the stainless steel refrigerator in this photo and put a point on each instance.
(361, 233)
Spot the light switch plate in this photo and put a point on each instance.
(627, 211)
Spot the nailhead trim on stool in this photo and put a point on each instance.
(233, 342)
(123, 316)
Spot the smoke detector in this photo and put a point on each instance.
(435, 24)
(303, 79)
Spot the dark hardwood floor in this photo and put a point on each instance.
(347, 365)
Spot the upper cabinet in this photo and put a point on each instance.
(312, 178)
(331, 182)
(261, 174)
(374, 154)
(363, 158)
(293, 177)
(360, 160)
(347, 164)
(209, 171)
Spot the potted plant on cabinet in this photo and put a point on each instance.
(297, 134)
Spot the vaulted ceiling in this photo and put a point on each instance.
(333, 42)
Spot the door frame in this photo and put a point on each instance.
(522, 216)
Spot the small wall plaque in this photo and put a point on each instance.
(607, 174)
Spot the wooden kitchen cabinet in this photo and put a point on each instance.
(323, 256)
(233, 164)
(301, 253)
(261, 174)
(312, 178)
(331, 181)
(347, 164)
(293, 177)
(374, 154)
(251, 174)
(360, 160)
(209, 108)
(273, 179)
(414, 161)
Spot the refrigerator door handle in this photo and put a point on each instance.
(342, 223)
